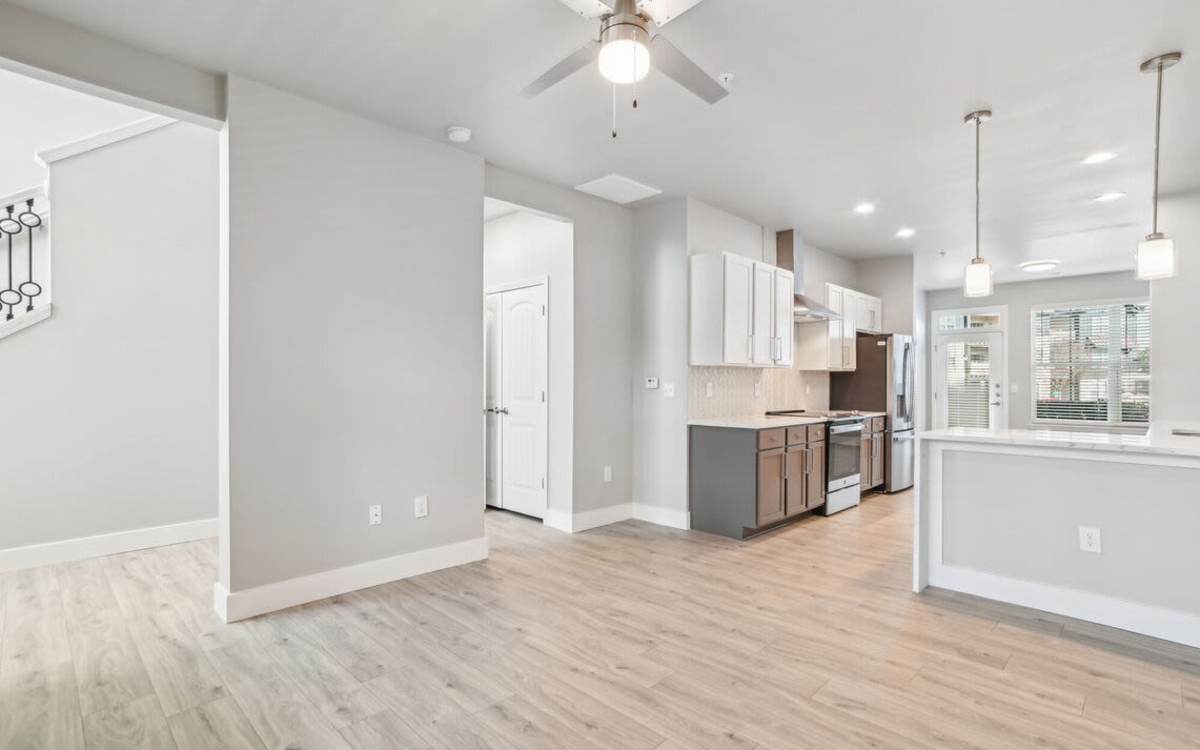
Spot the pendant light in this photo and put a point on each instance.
(1156, 253)
(977, 279)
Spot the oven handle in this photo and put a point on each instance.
(839, 429)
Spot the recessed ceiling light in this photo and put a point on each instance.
(1109, 197)
(1039, 266)
(1098, 158)
(905, 232)
(864, 208)
(458, 134)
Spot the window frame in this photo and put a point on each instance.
(1112, 365)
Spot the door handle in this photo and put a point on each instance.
(995, 403)
(502, 411)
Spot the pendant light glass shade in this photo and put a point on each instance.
(977, 279)
(1156, 258)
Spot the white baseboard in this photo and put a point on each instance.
(676, 519)
(558, 519)
(238, 605)
(68, 550)
(1157, 622)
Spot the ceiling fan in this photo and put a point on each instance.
(629, 44)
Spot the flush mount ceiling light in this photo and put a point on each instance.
(905, 232)
(1156, 253)
(1039, 266)
(977, 279)
(1098, 158)
(864, 209)
(1108, 197)
(458, 134)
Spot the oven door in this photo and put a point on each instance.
(845, 445)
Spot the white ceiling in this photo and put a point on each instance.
(38, 116)
(834, 103)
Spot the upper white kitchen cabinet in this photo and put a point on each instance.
(832, 344)
(868, 313)
(741, 312)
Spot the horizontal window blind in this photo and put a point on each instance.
(1091, 363)
(968, 373)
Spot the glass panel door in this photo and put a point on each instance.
(969, 391)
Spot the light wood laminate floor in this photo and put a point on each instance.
(629, 636)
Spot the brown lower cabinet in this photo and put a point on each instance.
(871, 457)
(742, 481)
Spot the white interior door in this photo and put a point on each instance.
(969, 381)
(491, 400)
(521, 407)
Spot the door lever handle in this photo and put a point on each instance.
(502, 411)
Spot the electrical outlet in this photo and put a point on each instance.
(808, 389)
(651, 384)
(608, 473)
(708, 389)
(1089, 539)
(668, 389)
(375, 515)
(421, 506)
(758, 390)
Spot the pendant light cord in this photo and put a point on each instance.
(1157, 135)
(978, 126)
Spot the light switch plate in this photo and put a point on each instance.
(651, 384)
(1089, 539)
(421, 506)
(708, 389)
(608, 473)
(668, 389)
(375, 515)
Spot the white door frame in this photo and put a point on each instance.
(939, 372)
(536, 281)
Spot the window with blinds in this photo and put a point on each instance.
(968, 377)
(1091, 363)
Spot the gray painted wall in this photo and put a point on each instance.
(1175, 303)
(517, 248)
(603, 331)
(890, 279)
(111, 404)
(1020, 298)
(355, 338)
(660, 445)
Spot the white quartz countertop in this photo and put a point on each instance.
(1165, 444)
(764, 422)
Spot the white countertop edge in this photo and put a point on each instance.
(764, 422)
(1089, 441)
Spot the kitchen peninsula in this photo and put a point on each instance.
(1095, 526)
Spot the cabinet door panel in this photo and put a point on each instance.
(770, 486)
(816, 475)
(865, 454)
(763, 315)
(739, 297)
(795, 481)
(877, 459)
(785, 295)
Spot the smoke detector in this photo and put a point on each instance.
(458, 134)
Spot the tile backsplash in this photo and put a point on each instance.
(734, 391)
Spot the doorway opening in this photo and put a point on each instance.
(529, 348)
(970, 368)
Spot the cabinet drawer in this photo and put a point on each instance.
(768, 439)
(876, 424)
(797, 435)
(816, 433)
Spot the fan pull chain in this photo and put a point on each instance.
(614, 127)
(633, 61)
(10, 276)
(29, 303)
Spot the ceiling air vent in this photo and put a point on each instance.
(618, 189)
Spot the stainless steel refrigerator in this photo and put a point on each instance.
(883, 381)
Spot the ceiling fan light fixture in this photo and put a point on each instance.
(624, 54)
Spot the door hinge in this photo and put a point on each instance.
(543, 311)
(543, 483)
(543, 397)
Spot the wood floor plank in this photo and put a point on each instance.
(35, 628)
(108, 667)
(39, 710)
(178, 668)
(136, 725)
(219, 725)
(434, 715)
(383, 731)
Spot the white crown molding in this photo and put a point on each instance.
(100, 140)
(68, 550)
(239, 605)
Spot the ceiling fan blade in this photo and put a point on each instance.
(664, 11)
(573, 62)
(680, 68)
(589, 8)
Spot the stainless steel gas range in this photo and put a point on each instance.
(842, 469)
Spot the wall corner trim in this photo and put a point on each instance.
(91, 143)
(239, 605)
(676, 519)
(68, 550)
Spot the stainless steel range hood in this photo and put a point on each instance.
(807, 309)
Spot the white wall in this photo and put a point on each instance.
(821, 268)
(1175, 303)
(355, 265)
(1020, 298)
(891, 279)
(111, 404)
(603, 331)
(519, 247)
(711, 230)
